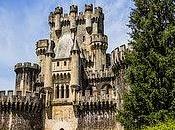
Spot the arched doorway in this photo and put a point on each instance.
(61, 129)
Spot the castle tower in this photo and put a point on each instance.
(26, 75)
(98, 21)
(57, 20)
(99, 46)
(73, 14)
(88, 15)
(75, 68)
(41, 47)
(48, 82)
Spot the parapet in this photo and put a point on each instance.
(11, 101)
(88, 7)
(42, 43)
(98, 10)
(58, 10)
(99, 38)
(29, 65)
(73, 9)
(117, 55)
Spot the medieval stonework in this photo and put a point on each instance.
(73, 86)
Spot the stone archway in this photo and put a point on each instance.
(61, 129)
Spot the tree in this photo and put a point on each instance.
(150, 69)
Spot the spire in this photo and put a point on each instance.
(75, 46)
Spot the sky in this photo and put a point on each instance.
(23, 22)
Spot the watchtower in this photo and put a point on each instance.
(26, 75)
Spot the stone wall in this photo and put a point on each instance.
(20, 121)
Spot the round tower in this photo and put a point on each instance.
(75, 68)
(41, 47)
(99, 45)
(88, 13)
(73, 14)
(26, 75)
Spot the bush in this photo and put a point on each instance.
(169, 125)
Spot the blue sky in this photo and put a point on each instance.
(23, 22)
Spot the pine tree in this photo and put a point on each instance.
(150, 69)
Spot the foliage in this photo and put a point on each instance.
(169, 125)
(150, 69)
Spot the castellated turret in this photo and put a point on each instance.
(75, 68)
(41, 47)
(88, 13)
(99, 45)
(26, 75)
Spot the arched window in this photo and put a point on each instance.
(67, 91)
(64, 75)
(62, 91)
(57, 91)
(64, 63)
(58, 63)
(61, 76)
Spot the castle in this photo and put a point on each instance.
(73, 86)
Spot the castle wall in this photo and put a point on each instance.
(20, 112)
(20, 121)
(63, 116)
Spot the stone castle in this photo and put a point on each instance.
(73, 86)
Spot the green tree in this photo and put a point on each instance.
(150, 69)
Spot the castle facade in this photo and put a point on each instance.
(73, 86)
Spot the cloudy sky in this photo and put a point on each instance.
(23, 22)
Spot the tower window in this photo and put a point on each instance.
(67, 91)
(57, 92)
(64, 63)
(62, 91)
(58, 63)
(83, 38)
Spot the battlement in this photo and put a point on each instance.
(99, 74)
(96, 106)
(117, 55)
(98, 10)
(73, 9)
(11, 100)
(88, 7)
(42, 43)
(99, 38)
(57, 16)
(58, 10)
(26, 65)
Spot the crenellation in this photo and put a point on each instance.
(33, 66)
(98, 10)
(73, 9)
(58, 10)
(89, 7)
(99, 38)
(117, 55)
(43, 43)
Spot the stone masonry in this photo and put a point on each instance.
(73, 86)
